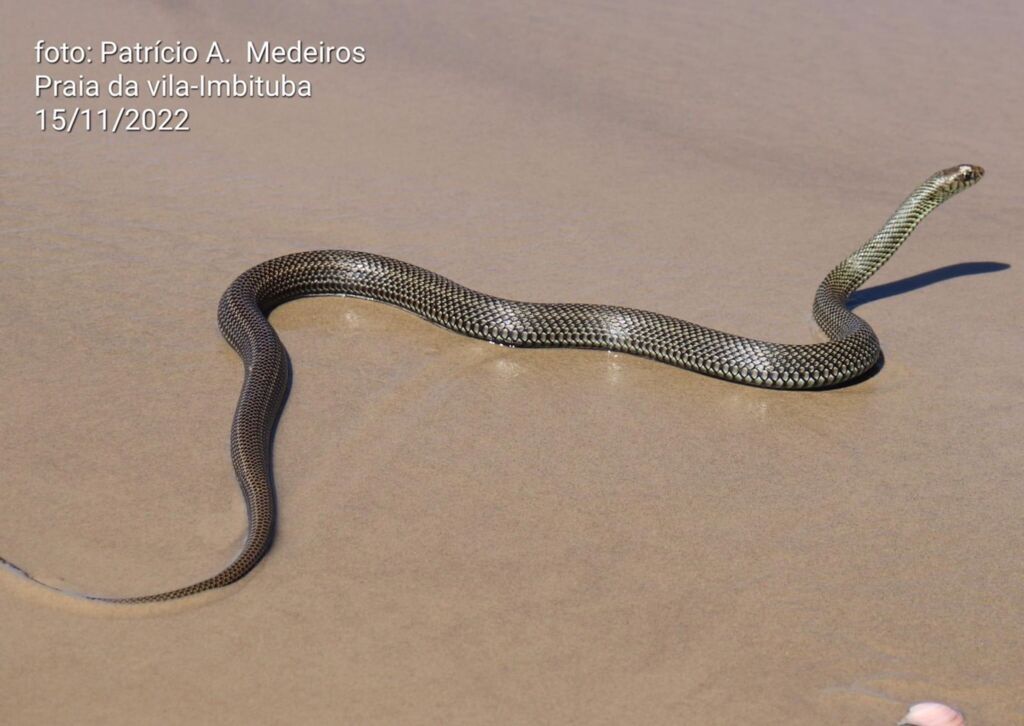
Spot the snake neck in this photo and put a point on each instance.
(855, 270)
(830, 309)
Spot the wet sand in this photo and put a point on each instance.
(475, 534)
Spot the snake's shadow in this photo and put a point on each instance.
(914, 282)
(909, 284)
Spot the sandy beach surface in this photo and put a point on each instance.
(472, 534)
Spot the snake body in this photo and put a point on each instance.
(852, 347)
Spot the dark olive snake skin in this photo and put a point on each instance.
(852, 348)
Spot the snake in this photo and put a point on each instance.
(850, 351)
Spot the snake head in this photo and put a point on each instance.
(957, 178)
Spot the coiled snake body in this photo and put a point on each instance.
(851, 350)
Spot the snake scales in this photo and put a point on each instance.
(852, 347)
